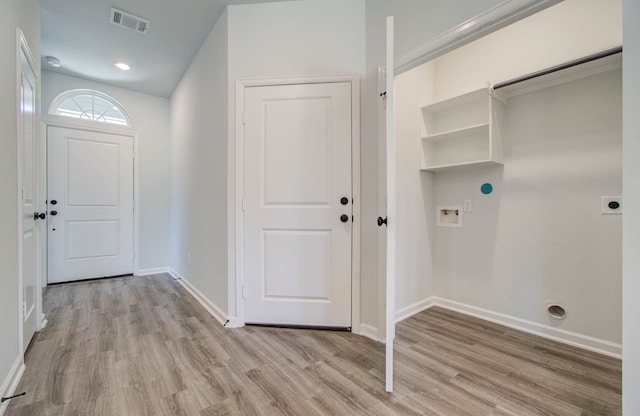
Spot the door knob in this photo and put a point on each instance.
(53, 202)
(344, 200)
(54, 212)
(39, 216)
(382, 221)
(344, 218)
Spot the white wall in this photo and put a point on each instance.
(569, 30)
(415, 206)
(199, 109)
(23, 14)
(309, 37)
(631, 220)
(301, 38)
(416, 21)
(305, 37)
(540, 237)
(150, 121)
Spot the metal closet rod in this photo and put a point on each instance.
(560, 67)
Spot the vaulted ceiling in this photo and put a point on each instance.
(79, 34)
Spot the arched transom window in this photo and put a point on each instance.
(90, 105)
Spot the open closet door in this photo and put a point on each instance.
(390, 322)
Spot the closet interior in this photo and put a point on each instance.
(509, 171)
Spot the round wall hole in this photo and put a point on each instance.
(556, 311)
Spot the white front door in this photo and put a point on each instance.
(29, 210)
(298, 204)
(90, 201)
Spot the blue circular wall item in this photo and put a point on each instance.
(486, 188)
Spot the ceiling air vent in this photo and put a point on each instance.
(129, 21)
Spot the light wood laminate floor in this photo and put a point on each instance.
(143, 346)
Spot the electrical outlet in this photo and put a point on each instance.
(611, 205)
(189, 259)
(467, 206)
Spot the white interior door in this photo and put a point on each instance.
(28, 175)
(390, 321)
(298, 204)
(90, 202)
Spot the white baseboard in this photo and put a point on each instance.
(174, 274)
(233, 322)
(156, 270)
(10, 383)
(566, 337)
(586, 342)
(415, 308)
(212, 308)
(370, 332)
(373, 333)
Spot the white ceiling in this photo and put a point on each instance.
(79, 34)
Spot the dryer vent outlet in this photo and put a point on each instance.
(556, 311)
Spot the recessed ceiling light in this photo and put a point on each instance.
(52, 61)
(122, 65)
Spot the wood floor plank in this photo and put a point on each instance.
(143, 346)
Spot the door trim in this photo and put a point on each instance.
(380, 329)
(22, 48)
(51, 122)
(236, 152)
(477, 27)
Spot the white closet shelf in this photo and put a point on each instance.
(457, 133)
(461, 165)
(457, 101)
(463, 131)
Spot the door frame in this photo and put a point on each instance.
(53, 121)
(22, 48)
(238, 146)
(380, 334)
